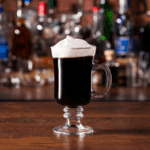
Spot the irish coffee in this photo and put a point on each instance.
(73, 65)
(73, 80)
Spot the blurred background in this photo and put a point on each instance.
(137, 7)
(120, 29)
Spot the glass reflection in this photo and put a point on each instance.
(70, 142)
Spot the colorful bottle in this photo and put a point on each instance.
(39, 43)
(3, 35)
(123, 30)
(107, 22)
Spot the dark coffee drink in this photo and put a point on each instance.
(73, 68)
(73, 80)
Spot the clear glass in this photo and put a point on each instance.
(40, 71)
(73, 125)
(137, 70)
(37, 72)
(132, 72)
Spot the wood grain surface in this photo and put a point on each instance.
(117, 126)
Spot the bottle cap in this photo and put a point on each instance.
(52, 3)
(42, 8)
(95, 9)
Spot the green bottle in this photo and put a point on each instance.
(107, 14)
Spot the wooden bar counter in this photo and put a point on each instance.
(121, 120)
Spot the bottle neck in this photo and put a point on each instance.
(51, 12)
(95, 21)
(41, 18)
(97, 29)
(123, 6)
(20, 20)
(104, 4)
(19, 8)
(80, 8)
(52, 4)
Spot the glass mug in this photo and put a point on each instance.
(73, 88)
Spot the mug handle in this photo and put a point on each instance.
(109, 79)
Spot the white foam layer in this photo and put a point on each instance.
(71, 47)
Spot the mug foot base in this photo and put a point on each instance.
(73, 130)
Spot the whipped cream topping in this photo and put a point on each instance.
(71, 47)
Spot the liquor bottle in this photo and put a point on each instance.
(52, 26)
(52, 17)
(44, 37)
(63, 30)
(132, 70)
(113, 66)
(79, 30)
(107, 25)
(101, 36)
(39, 43)
(96, 33)
(144, 31)
(70, 22)
(52, 9)
(42, 60)
(77, 14)
(123, 40)
(144, 51)
(123, 30)
(21, 50)
(30, 14)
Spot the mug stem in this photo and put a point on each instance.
(73, 125)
